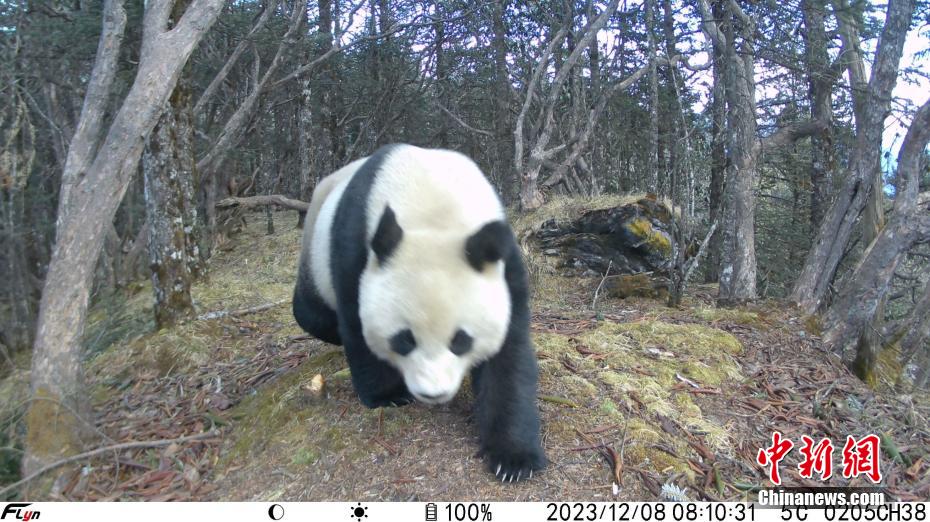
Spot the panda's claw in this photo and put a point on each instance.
(514, 467)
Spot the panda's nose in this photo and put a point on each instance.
(433, 399)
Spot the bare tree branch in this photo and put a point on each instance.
(220, 77)
(791, 133)
(87, 135)
(462, 123)
(541, 66)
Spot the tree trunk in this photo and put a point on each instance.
(235, 128)
(678, 142)
(170, 206)
(837, 227)
(738, 252)
(915, 329)
(652, 151)
(316, 122)
(207, 96)
(304, 145)
(820, 96)
(503, 123)
(865, 290)
(718, 148)
(594, 64)
(87, 208)
(442, 76)
(738, 255)
(18, 321)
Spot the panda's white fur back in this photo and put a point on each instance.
(428, 189)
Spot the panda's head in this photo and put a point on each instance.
(435, 304)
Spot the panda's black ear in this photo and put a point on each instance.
(489, 244)
(387, 236)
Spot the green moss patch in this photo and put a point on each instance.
(261, 269)
(657, 242)
(741, 316)
(282, 414)
(637, 367)
(285, 423)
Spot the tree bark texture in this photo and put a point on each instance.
(820, 80)
(737, 256)
(503, 94)
(652, 152)
(171, 210)
(915, 329)
(855, 307)
(87, 208)
(838, 224)
(718, 154)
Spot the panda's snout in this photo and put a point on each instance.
(432, 378)
(434, 399)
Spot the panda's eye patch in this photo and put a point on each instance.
(461, 343)
(403, 342)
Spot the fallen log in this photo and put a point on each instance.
(261, 201)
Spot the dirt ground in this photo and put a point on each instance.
(638, 402)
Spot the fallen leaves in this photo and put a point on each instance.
(168, 407)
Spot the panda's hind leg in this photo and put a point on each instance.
(377, 383)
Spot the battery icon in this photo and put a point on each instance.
(431, 512)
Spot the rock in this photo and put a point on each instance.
(636, 285)
(315, 389)
(634, 238)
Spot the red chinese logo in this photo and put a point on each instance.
(819, 458)
(773, 455)
(862, 458)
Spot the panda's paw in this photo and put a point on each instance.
(515, 466)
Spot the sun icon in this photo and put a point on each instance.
(359, 511)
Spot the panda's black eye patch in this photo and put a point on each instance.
(403, 342)
(461, 343)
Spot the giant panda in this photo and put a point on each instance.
(408, 262)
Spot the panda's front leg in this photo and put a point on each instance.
(377, 383)
(508, 417)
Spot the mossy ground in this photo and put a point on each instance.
(683, 396)
(632, 377)
(258, 269)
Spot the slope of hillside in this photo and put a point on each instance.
(638, 401)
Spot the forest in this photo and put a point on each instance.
(766, 162)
